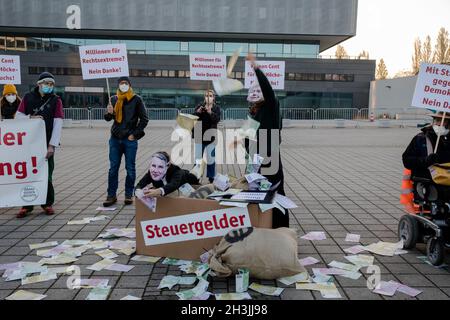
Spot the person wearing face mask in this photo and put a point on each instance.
(265, 108)
(130, 119)
(10, 102)
(44, 104)
(209, 116)
(416, 157)
(163, 177)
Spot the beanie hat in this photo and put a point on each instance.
(46, 76)
(127, 79)
(9, 88)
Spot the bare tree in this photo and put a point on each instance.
(382, 72)
(427, 51)
(341, 53)
(404, 73)
(417, 56)
(442, 50)
(364, 55)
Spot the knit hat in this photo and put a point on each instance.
(8, 89)
(46, 77)
(127, 79)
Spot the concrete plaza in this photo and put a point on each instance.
(343, 181)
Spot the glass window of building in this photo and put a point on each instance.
(238, 75)
(165, 73)
(270, 48)
(230, 47)
(167, 46)
(196, 46)
(184, 46)
(10, 43)
(158, 73)
(218, 47)
(171, 73)
(181, 73)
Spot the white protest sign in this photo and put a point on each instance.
(433, 87)
(104, 61)
(23, 168)
(10, 69)
(207, 66)
(196, 226)
(274, 71)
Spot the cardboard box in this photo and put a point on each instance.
(179, 209)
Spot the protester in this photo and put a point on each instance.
(163, 177)
(416, 157)
(43, 103)
(265, 108)
(209, 116)
(130, 119)
(10, 101)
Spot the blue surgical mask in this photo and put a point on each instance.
(46, 89)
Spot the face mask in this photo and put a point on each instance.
(443, 130)
(255, 94)
(124, 88)
(11, 98)
(46, 89)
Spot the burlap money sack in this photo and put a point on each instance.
(268, 254)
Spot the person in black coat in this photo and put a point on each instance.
(208, 113)
(163, 177)
(416, 156)
(264, 107)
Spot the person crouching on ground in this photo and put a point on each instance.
(130, 119)
(10, 102)
(163, 177)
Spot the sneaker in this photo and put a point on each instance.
(128, 201)
(109, 201)
(49, 210)
(22, 213)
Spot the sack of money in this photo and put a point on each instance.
(267, 253)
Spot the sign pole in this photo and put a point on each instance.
(109, 92)
(439, 133)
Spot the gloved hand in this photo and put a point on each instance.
(432, 159)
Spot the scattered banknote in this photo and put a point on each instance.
(270, 291)
(298, 278)
(315, 235)
(386, 288)
(39, 278)
(344, 266)
(90, 283)
(48, 253)
(25, 295)
(352, 237)
(119, 267)
(204, 258)
(321, 278)
(87, 220)
(242, 280)
(199, 290)
(60, 270)
(186, 189)
(233, 204)
(186, 281)
(308, 261)
(285, 202)
(76, 242)
(106, 254)
(98, 244)
(361, 260)
(105, 209)
(195, 267)
(328, 271)
(119, 233)
(408, 290)
(130, 297)
(327, 290)
(175, 262)
(233, 296)
(99, 293)
(355, 249)
(168, 282)
(146, 259)
(43, 245)
(254, 176)
(385, 248)
(60, 259)
(101, 265)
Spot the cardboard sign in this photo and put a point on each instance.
(23, 168)
(433, 87)
(178, 208)
(10, 69)
(104, 61)
(274, 71)
(200, 225)
(207, 66)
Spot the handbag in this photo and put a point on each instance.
(440, 173)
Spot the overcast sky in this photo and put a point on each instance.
(387, 29)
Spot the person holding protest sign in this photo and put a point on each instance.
(209, 116)
(44, 104)
(163, 177)
(130, 119)
(418, 158)
(10, 102)
(264, 108)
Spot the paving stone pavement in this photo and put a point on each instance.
(343, 181)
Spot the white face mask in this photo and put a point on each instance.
(124, 88)
(11, 98)
(443, 130)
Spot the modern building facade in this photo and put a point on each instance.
(160, 35)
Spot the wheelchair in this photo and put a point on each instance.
(430, 222)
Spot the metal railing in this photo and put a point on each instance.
(78, 114)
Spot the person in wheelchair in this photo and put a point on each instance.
(419, 156)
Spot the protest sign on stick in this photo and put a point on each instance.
(10, 69)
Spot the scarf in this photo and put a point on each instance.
(118, 108)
